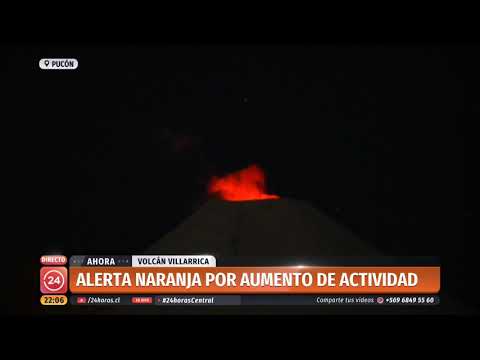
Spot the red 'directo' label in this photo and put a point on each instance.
(53, 260)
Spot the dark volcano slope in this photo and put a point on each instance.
(284, 227)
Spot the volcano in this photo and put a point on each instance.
(242, 219)
(279, 227)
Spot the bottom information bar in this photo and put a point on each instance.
(268, 300)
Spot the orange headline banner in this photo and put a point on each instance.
(255, 280)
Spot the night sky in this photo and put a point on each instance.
(370, 134)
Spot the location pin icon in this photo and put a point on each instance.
(46, 62)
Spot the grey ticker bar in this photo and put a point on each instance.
(256, 300)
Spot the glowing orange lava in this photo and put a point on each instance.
(244, 185)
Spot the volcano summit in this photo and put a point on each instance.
(244, 220)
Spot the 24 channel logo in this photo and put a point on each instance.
(53, 280)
